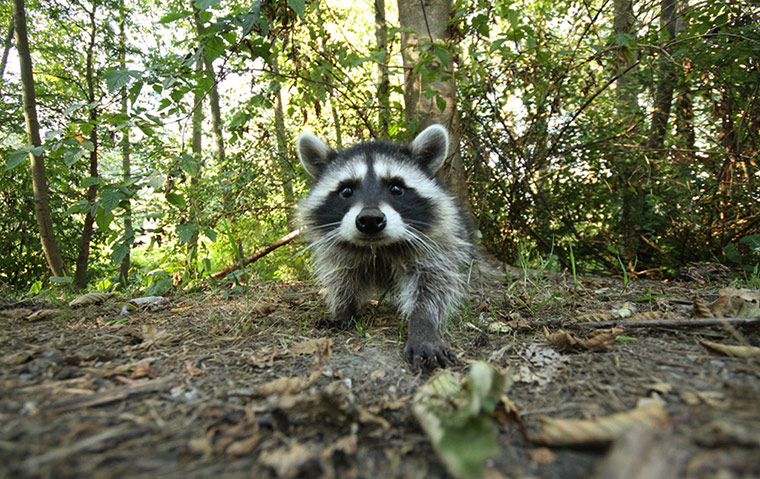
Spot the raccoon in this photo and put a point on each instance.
(379, 220)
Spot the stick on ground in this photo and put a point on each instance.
(259, 254)
(665, 323)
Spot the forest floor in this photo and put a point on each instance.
(249, 386)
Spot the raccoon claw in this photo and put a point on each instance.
(429, 355)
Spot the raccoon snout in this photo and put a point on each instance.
(370, 220)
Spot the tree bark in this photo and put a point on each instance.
(626, 162)
(281, 136)
(664, 96)
(383, 83)
(83, 259)
(428, 32)
(39, 178)
(126, 153)
(7, 44)
(216, 115)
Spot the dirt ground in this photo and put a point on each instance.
(208, 386)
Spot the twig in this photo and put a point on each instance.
(116, 394)
(259, 254)
(95, 441)
(666, 323)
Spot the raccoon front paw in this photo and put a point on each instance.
(429, 354)
(335, 323)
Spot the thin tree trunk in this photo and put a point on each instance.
(685, 135)
(39, 178)
(7, 44)
(664, 95)
(126, 153)
(625, 161)
(426, 23)
(216, 116)
(197, 147)
(83, 259)
(283, 160)
(383, 84)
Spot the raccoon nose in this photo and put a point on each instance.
(370, 220)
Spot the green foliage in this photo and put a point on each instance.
(556, 170)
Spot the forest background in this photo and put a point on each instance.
(153, 143)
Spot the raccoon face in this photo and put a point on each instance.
(375, 193)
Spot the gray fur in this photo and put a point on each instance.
(426, 272)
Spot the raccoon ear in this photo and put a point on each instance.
(313, 153)
(431, 147)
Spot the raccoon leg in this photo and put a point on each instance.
(343, 304)
(425, 300)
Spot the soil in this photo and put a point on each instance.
(239, 386)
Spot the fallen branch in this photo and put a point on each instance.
(91, 443)
(665, 323)
(116, 394)
(259, 254)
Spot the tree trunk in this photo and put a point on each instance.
(7, 44)
(281, 137)
(383, 84)
(216, 115)
(83, 259)
(685, 135)
(197, 150)
(39, 178)
(626, 162)
(664, 96)
(428, 33)
(126, 153)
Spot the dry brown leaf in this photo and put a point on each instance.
(499, 327)
(89, 298)
(600, 340)
(543, 455)
(288, 461)
(646, 316)
(312, 346)
(700, 308)
(43, 314)
(732, 350)
(566, 432)
(283, 386)
(594, 317)
(734, 302)
(143, 369)
(243, 446)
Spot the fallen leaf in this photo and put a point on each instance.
(733, 302)
(543, 455)
(567, 432)
(89, 298)
(313, 346)
(143, 369)
(43, 314)
(456, 416)
(282, 386)
(499, 327)
(244, 446)
(263, 309)
(600, 340)
(732, 350)
(288, 461)
(700, 309)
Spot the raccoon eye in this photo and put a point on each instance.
(396, 190)
(346, 192)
